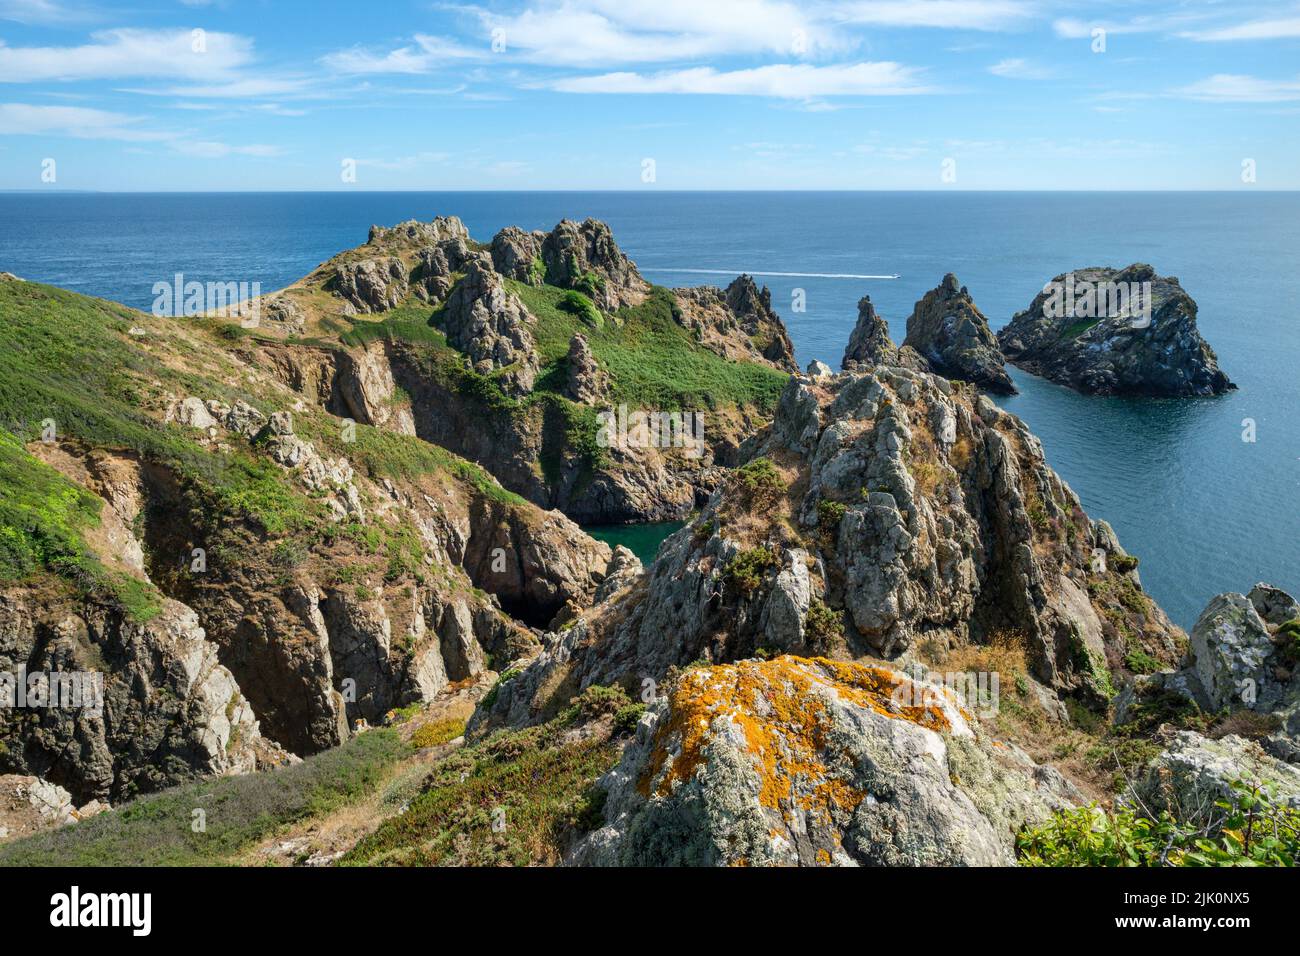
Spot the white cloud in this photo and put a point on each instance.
(18, 119)
(1019, 69)
(947, 14)
(128, 53)
(212, 150)
(1252, 30)
(46, 12)
(426, 55)
(1236, 88)
(784, 80)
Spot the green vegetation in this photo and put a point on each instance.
(746, 570)
(575, 303)
(438, 732)
(1140, 662)
(824, 625)
(239, 812)
(1250, 829)
(829, 514)
(758, 484)
(1076, 329)
(43, 518)
(653, 361)
(64, 358)
(1287, 639)
(516, 798)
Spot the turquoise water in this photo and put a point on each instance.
(643, 540)
(1205, 511)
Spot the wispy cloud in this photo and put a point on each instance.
(1237, 88)
(782, 80)
(113, 54)
(1251, 30)
(989, 15)
(24, 119)
(44, 12)
(1016, 68)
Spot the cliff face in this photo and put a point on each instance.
(1115, 332)
(878, 512)
(251, 576)
(426, 332)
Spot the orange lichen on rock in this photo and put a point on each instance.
(781, 709)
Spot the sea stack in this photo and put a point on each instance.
(952, 334)
(1104, 331)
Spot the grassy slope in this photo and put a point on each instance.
(158, 830)
(69, 359)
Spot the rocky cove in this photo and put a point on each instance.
(355, 529)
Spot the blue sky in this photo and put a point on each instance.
(581, 94)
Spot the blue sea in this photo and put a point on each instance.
(1204, 510)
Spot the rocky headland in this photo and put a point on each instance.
(336, 552)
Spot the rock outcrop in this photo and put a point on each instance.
(586, 257)
(156, 706)
(1115, 332)
(1244, 657)
(879, 510)
(29, 805)
(869, 343)
(949, 331)
(492, 327)
(737, 323)
(815, 762)
(587, 382)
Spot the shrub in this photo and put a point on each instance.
(759, 484)
(1140, 662)
(437, 732)
(1248, 829)
(1123, 563)
(745, 571)
(822, 624)
(1287, 639)
(829, 514)
(578, 304)
(626, 718)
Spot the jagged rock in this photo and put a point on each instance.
(624, 569)
(194, 413)
(587, 383)
(441, 229)
(285, 314)
(373, 285)
(492, 327)
(949, 331)
(1194, 772)
(1146, 344)
(1231, 646)
(869, 343)
(170, 711)
(365, 384)
(517, 254)
(571, 251)
(934, 515)
(1274, 605)
(818, 370)
(814, 762)
(245, 419)
(30, 804)
(737, 323)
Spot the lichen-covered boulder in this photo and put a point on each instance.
(814, 762)
(492, 327)
(1231, 645)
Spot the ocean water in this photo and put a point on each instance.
(1204, 510)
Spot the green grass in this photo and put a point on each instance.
(43, 520)
(514, 799)
(240, 811)
(63, 357)
(654, 362)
